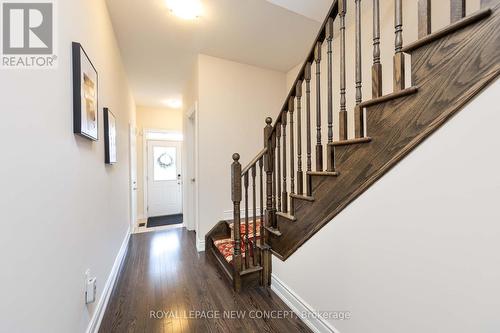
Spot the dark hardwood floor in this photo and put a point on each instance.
(163, 272)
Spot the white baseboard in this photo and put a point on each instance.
(299, 306)
(95, 321)
(200, 245)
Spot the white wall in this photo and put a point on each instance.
(234, 100)
(63, 210)
(418, 251)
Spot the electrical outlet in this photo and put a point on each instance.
(90, 287)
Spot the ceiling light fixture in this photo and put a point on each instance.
(173, 103)
(185, 9)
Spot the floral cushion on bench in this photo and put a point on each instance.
(226, 248)
(243, 228)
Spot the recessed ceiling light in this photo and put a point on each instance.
(185, 9)
(173, 103)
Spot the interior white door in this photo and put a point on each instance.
(133, 175)
(164, 178)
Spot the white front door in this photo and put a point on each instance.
(164, 178)
(133, 175)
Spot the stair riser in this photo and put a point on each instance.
(316, 181)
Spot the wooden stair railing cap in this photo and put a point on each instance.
(254, 161)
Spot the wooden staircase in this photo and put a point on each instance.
(448, 68)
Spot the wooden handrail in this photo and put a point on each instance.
(253, 162)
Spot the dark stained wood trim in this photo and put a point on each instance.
(222, 263)
(448, 30)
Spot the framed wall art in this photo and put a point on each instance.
(109, 137)
(85, 94)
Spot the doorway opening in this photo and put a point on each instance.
(163, 178)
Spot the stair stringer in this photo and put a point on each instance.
(449, 72)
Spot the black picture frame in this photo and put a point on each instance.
(86, 83)
(109, 137)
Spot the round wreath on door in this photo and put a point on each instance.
(165, 161)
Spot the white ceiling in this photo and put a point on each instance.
(313, 9)
(159, 50)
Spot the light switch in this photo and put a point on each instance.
(90, 288)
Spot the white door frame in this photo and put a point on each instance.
(192, 222)
(133, 177)
(175, 136)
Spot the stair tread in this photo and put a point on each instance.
(351, 141)
(323, 173)
(448, 29)
(251, 270)
(302, 197)
(275, 232)
(287, 216)
(388, 97)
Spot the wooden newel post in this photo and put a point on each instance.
(236, 198)
(269, 169)
(270, 212)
